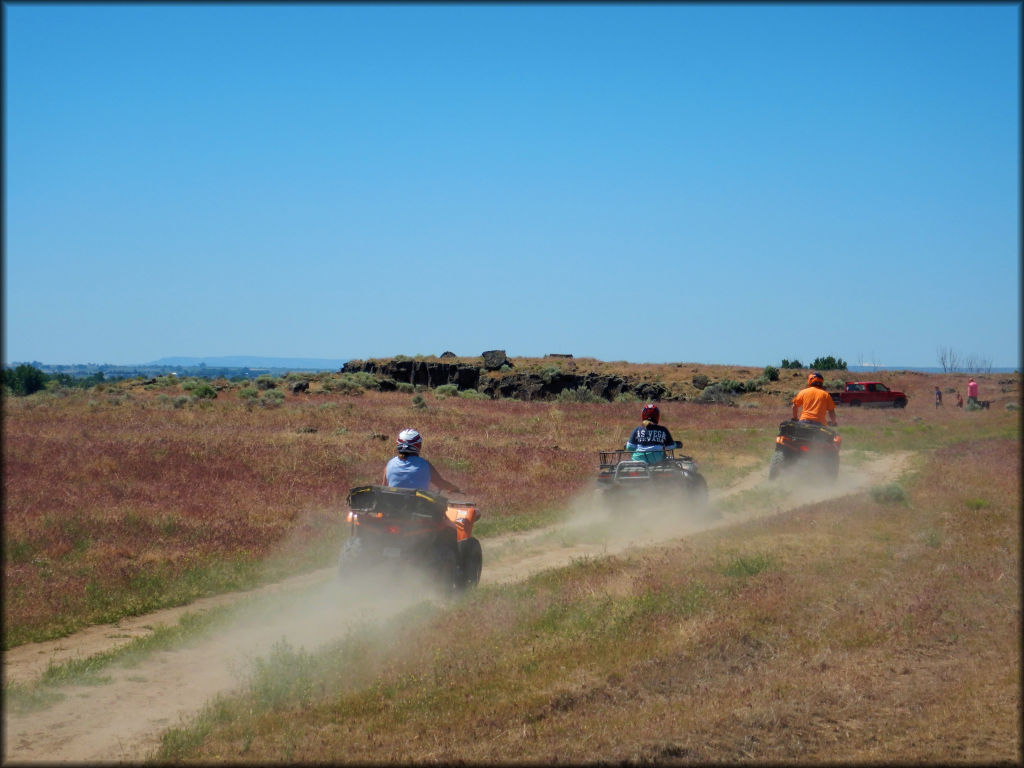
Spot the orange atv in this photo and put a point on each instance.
(405, 526)
(803, 442)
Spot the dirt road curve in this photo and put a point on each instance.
(121, 720)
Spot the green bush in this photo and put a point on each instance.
(472, 394)
(771, 373)
(265, 381)
(715, 394)
(700, 381)
(626, 397)
(1012, 406)
(272, 398)
(205, 392)
(889, 494)
(790, 364)
(247, 393)
(445, 390)
(405, 387)
(24, 380)
(829, 363)
(419, 403)
(578, 395)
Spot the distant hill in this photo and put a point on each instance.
(244, 361)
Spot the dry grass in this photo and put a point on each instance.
(860, 630)
(117, 503)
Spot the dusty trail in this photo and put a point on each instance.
(122, 719)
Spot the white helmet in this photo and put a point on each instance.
(409, 441)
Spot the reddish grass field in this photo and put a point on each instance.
(116, 502)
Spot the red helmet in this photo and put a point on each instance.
(650, 413)
(815, 378)
(409, 441)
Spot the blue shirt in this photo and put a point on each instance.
(411, 472)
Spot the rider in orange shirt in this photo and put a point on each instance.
(813, 403)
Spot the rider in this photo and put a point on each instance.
(410, 470)
(649, 441)
(812, 404)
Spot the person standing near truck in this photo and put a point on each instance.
(972, 392)
(813, 404)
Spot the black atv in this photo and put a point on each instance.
(623, 478)
(811, 444)
(404, 527)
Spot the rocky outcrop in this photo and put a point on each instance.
(427, 374)
(521, 386)
(494, 359)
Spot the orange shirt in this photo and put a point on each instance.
(815, 403)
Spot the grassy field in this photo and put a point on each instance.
(880, 627)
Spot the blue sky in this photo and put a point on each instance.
(650, 183)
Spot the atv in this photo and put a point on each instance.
(400, 527)
(804, 442)
(622, 477)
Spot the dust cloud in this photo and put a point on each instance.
(122, 719)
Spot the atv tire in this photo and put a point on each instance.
(697, 493)
(443, 568)
(352, 554)
(471, 561)
(833, 467)
(778, 459)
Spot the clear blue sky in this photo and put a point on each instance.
(650, 183)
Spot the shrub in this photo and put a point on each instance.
(204, 392)
(717, 394)
(700, 381)
(247, 393)
(1012, 406)
(182, 400)
(406, 387)
(419, 403)
(790, 364)
(577, 395)
(272, 398)
(771, 373)
(889, 494)
(472, 394)
(445, 390)
(626, 397)
(265, 381)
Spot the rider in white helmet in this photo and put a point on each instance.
(410, 470)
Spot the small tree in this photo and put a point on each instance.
(829, 363)
(25, 379)
(790, 364)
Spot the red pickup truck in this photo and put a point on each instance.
(870, 393)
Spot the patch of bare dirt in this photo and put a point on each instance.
(121, 720)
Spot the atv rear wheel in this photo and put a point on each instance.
(444, 568)
(697, 492)
(351, 554)
(471, 560)
(778, 459)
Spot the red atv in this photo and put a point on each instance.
(399, 527)
(808, 443)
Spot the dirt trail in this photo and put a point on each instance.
(122, 719)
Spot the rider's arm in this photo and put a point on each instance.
(831, 413)
(440, 482)
(631, 444)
